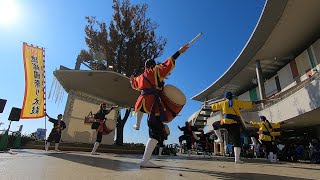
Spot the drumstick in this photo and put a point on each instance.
(194, 39)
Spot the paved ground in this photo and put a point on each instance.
(37, 164)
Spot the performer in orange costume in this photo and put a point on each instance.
(151, 83)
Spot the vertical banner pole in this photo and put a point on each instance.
(44, 96)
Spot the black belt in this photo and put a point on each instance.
(232, 116)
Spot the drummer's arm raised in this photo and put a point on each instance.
(166, 67)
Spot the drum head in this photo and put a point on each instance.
(111, 124)
(174, 94)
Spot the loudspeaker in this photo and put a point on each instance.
(14, 114)
(2, 104)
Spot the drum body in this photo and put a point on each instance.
(110, 125)
(173, 100)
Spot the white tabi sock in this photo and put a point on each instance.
(146, 163)
(139, 118)
(56, 146)
(237, 151)
(218, 134)
(160, 151)
(95, 147)
(47, 145)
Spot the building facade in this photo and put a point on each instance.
(280, 63)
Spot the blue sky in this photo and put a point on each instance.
(59, 27)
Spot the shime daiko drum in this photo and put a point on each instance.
(173, 100)
(110, 125)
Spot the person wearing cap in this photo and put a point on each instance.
(101, 117)
(231, 119)
(267, 136)
(55, 134)
(187, 136)
(151, 83)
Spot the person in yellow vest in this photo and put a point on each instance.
(231, 119)
(267, 135)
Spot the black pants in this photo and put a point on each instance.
(99, 137)
(216, 125)
(270, 147)
(54, 136)
(156, 130)
(188, 140)
(234, 130)
(203, 145)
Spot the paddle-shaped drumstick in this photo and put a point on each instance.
(194, 39)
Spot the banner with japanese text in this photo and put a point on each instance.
(34, 94)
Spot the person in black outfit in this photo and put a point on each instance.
(101, 117)
(55, 134)
(203, 140)
(187, 135)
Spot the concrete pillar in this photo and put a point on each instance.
(262, 91)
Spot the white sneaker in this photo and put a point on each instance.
(238, 162)
(148, 164)
(94, 153)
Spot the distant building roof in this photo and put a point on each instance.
(285, 29)
(108, 85)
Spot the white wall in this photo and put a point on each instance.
(304, 100)
(285, 78)
(76, 130)
(316, 50)
(270, 86)
(303, 64)
(245, 96)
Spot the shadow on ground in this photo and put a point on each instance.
(118, 165)
(229, 176)
(96, 161)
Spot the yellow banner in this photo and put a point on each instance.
(34, 94)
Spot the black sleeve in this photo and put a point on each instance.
(183, 128)
(108, 111)
(96, 115)
(99, 115)
(176, 55)
(63, 125)
(53, 120)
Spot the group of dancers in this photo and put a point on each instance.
(235, 125)
(151, 83)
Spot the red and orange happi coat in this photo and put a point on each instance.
(155, 76)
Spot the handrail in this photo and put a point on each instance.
(283, 95)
